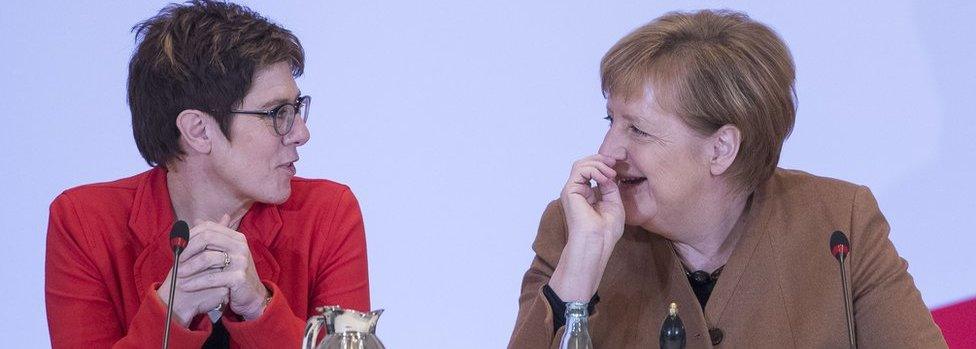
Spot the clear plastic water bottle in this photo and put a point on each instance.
(577, 334)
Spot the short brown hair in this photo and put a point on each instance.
(198, 55)
(713, 68)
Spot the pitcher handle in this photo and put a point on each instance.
(312, 329)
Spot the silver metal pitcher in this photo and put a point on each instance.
(345, 329)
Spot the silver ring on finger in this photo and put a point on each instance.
(226, 261)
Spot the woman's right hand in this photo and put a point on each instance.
(595, 221)
(187, 304)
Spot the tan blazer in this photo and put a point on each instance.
(781, 287)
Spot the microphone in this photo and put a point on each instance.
(178, 238)
(840, 247)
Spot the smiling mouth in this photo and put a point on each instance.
(630, 181)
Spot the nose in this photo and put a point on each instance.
(613, 145)
(299, 133)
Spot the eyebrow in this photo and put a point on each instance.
(636, 118)
(627, 116)
(279, 101)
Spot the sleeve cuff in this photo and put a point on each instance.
(275, 322)
(558, 307)
(147, 325)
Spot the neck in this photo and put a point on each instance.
(707, 243)
(197, 196)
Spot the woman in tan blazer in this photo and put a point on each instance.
(689, 207)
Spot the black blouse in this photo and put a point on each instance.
(701, 282)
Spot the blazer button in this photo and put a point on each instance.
(716, 335)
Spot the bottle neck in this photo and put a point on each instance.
(576, 315)
(577, 334)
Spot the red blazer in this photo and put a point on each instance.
(107, 253)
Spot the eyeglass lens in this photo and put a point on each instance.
(285, 118)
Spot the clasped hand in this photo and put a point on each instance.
(216, 269)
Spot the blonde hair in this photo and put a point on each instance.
(710, 69)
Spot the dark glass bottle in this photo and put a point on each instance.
(673, 330)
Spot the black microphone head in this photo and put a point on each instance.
(180, 230)
(839, 244)
(179, 235)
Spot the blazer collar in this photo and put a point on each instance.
(751, 227)
(152, 213)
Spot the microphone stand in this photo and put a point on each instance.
(178, 238)
(840, 247)
(846, 282)
(172, 294)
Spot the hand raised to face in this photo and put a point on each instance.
(593, 212)
(594, 222)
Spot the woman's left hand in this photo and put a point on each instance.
(218, 256)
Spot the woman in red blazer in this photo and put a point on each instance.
(217, 113)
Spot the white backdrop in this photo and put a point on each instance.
(456, 122)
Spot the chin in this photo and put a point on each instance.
(279, 193)
(637, 220)
(638, 213)
(276, 197)
(282, 197)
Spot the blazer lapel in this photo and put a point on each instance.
(751, 228)
(261, 226)
(151, 219)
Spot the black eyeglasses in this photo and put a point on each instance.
(283, 116)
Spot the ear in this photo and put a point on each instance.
(724, 146)
(194, 128)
